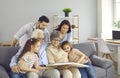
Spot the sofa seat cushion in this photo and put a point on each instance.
(100, 72)
(3, 73)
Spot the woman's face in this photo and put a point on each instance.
(66, 48)
(64, 29)
(36, 47)
(55, 42)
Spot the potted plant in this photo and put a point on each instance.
(117, 24)
(66, 11)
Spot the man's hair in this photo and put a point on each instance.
(36, 32)
(43, 19)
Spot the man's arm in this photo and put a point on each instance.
(22, 31)
(14, 42)
(13, 64)
(14, 59)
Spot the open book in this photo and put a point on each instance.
(68, 63)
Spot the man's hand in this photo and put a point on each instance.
(15, 69)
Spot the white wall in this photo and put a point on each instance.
(15, 13)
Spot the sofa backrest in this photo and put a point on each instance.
(6, 53)
(87, 48)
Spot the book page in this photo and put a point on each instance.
(68, 63)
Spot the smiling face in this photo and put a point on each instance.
(66, 48)
(42, 25)
(64, 29)
(55, 42)
(35, 47)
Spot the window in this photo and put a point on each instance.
(117, 10)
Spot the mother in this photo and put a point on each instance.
(65, 31)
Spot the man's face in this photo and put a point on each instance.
(43, 25)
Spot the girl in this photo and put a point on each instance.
(65, 31)
(29, 58)
(56, 54)
(74, 55)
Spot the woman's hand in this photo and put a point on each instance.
(52, 67)
(64, 67)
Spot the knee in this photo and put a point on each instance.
(67, 73)
(76, 73)
(32, 75)
(55, 73)
(52, 73)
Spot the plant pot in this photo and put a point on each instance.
(66, 14)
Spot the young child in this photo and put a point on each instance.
(74, 55)
(29, 58)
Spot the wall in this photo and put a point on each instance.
(15, 13)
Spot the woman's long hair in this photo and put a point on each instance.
(27, 46)
(64, 22)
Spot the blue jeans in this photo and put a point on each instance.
(17, 75)
(87, 72)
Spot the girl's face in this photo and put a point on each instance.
(64, 29)
(36, 47)
(55, 42)
(66, 48)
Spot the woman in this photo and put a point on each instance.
(56, 54)
(65, 31)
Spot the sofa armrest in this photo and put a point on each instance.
(101, 62)
(3, 73)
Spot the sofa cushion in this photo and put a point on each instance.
(6, 53)
(87, 48)
(3, 73)
(100, 72)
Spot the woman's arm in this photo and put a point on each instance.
(50, 56)
(81, 55)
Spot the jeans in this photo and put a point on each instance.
(17, 75)
(87, 72)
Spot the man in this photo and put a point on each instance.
(53, 73)
(24, 33)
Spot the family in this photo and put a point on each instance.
(38, 48)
